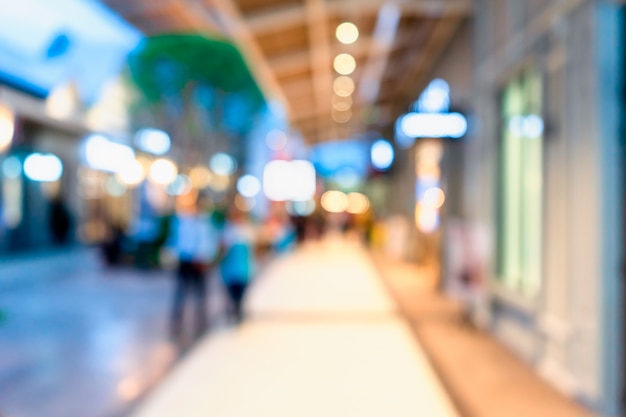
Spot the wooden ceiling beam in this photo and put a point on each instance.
(300, 60)
(320, 53)
(277, 18)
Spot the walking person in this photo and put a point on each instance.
(238, 264)
(193, 240)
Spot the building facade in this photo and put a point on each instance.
(543, 175)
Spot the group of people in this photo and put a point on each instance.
(201, 246)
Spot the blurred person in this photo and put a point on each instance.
(193, 240)
(112, 247)
(237, 266)
(145, 232)
(60, 221)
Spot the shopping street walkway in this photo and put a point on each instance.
(322, 338)
(484, 378)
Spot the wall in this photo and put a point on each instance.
(568, 332)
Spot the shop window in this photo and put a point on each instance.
(520, 193)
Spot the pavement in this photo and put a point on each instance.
(483, 378)
(330, 330)
(322, 338)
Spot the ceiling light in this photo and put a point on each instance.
(343, 86)
(341, 116)
(347, 33)
(342, 103)
(344, 64)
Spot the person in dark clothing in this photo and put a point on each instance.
(60, 221)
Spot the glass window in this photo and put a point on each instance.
(519, 260)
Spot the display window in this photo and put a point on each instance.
(520, 185)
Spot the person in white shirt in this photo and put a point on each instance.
(194, 241)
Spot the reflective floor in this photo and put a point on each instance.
(322, 337)
(78, 339)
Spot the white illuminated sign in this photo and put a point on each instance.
(435, 98)
(102, 154)
(431, 117)
(154, 141)
(289, 181)
(434, 125)
(43, 167)
(529, 127)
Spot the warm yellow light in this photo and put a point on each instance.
(344, 64)
(334, 201)
(426, 218)
(358, 203)
(220, 182)
(131, 174)
(7, 128)
(61, 103)
(200, 177)
(341, 116)
(163, 172)
(342, 103)
(347, 33)
(343, 86)
(434, 197)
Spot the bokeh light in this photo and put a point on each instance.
(200, 176)
(342, 103)
(12, 167)
(276, 140)
(341, 116)
(343, 86)
(427, 218)
(344, 64)
(357, 203)
(103, 154)
(347, 33)
(131, 174)
(334, 201)
(223, 164)
(289, 180)
(43, 167)
(248, 186)
(7, 128)
(220, 183)
(382, 155)
(434, 197)
(153, 141)
(163, 172)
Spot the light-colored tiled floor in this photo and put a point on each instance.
(322, 339)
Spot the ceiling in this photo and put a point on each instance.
(290, 46)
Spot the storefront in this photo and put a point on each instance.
(543, 175)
